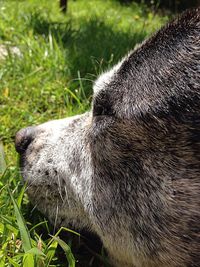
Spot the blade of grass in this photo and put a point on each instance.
(67, 230)
(20, 197)
(37, 225)
(28, 260)
(36, 252)
(25, 237)
(2, 261)
(74, 96)
(67, 250)
(50, 253)
(2, 159)
(14, 264)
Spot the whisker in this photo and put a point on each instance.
(56, 218)
(66, 196)
(59, 189)
(35, 207)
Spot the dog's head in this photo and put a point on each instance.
(121, 169)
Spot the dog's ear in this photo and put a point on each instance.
(162, 74)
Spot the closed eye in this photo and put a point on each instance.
(102, 110)
(102, 105)
(99, 110)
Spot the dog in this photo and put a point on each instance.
(129, 169)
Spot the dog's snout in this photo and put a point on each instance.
(23, 138)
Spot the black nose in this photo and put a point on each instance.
(23, 138)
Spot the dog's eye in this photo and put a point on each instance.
(99, 110)
(102, 105)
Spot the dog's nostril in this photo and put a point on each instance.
(23, 138)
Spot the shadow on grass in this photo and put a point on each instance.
(90, 48)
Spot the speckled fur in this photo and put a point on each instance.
(129, 170)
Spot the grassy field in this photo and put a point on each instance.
(60, 57)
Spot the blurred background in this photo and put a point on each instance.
(51, 52)
(173, 5)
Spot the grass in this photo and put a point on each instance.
(61, 56)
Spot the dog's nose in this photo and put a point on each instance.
(23, 138)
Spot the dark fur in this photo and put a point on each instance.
(143, 142)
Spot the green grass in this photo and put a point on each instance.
(61, 56)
